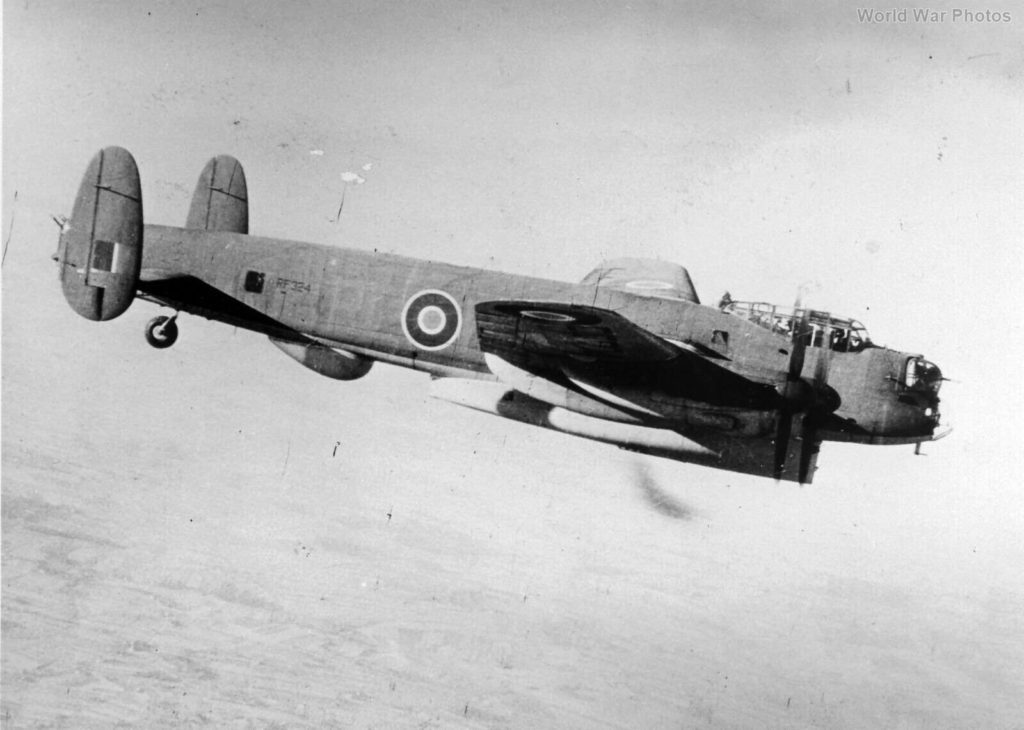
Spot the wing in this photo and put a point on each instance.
(603, 353)
(566, 331)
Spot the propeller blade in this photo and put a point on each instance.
(782, 434)
(809, 446)
(814, 407)
(801, 332)
(821, 365)
(791, 388)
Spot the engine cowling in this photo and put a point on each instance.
(329, 362)
(100, 249)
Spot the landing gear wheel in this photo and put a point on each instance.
(161, 332)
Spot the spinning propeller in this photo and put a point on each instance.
(813, 401)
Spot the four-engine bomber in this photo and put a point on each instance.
(629, 356)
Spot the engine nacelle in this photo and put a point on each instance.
(100, 249)
(337, 364)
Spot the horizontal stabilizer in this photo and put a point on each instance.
(221, 199)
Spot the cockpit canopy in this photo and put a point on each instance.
(844, 335)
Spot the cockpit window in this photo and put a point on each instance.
(840, 335)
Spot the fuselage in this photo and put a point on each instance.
(360, 301)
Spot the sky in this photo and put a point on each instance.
(878, 167)
(875, 167)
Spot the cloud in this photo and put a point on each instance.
(367, 167)
(352, 177)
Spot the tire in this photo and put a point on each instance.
(161, 332)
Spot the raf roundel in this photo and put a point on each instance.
(431, 319)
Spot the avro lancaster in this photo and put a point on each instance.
(629, 356)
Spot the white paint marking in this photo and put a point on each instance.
(431, 320)
(547, 316)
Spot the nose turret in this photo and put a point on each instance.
(921, 382)
(913, 415)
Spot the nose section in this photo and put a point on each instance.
(888, 397)
(918, 394)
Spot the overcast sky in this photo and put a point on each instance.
(879, 165)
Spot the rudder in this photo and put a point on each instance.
(100, 249)
(221, 198)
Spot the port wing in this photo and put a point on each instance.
(590, 346)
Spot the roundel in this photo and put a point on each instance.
(431, 319)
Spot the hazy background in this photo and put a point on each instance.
(183, 543)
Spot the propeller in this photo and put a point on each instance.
(825, 403)
(811, 402)
(791, 389)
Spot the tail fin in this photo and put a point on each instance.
(221, 199)
(100, 248)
